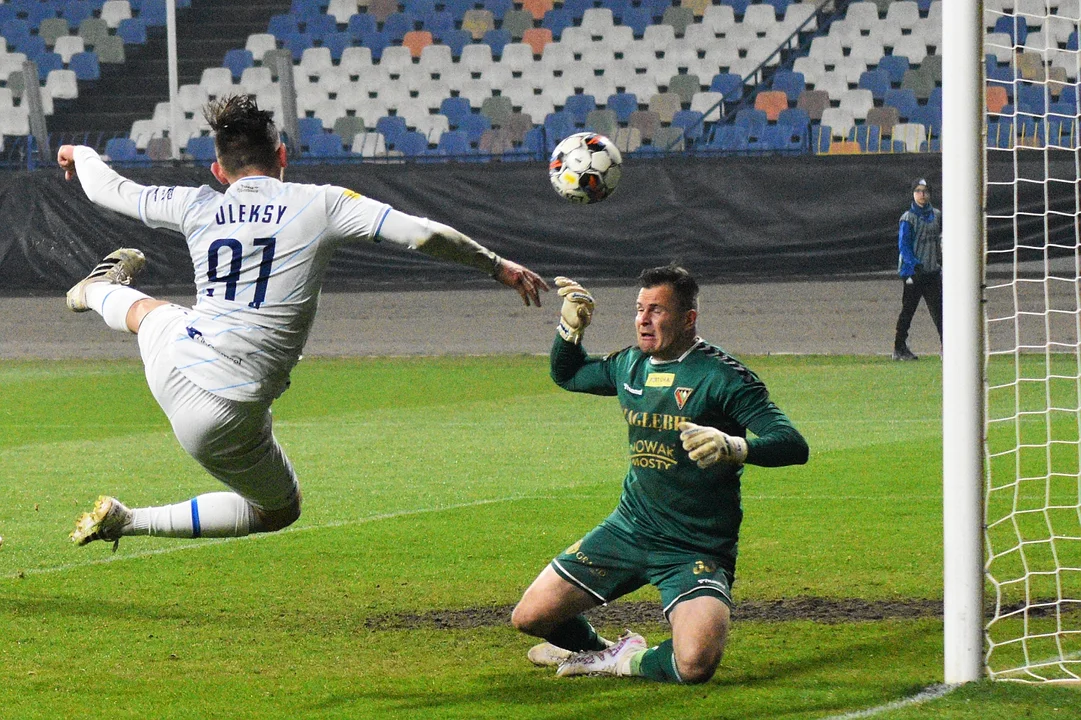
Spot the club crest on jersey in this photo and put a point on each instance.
(682, 393)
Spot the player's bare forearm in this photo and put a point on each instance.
(520, 278)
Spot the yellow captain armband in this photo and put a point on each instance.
(352, 194)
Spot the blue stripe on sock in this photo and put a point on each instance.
(196, 531)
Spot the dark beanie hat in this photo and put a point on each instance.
(920, 181)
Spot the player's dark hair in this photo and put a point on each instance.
(244, 135)
(683, 283)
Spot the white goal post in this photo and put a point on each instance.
(1012, 340)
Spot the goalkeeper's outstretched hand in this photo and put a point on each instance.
(707, 445)
(576, 312)
(525, 281)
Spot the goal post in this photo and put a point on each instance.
(962, 342)
(1024, 286)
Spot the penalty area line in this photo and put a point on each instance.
(210, 542)
(932, 692)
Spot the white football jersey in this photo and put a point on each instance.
(259, 250)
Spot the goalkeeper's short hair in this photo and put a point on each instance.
(681, 280)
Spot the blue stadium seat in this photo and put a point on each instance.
(557, 125)
(1000, 133)
(730, 138)
(579, 106)
(397, 25)
(437, 22)
(320, 25)
(308, 7)
(297, 43)
(361, 23)
(1001, 76)
(930, 117)
(557, 20)
(391, 127)
(122, 150)
(1061, 126)
(790, 83)
(420, 8)
(33, 47)
(153, 12)
(904, 99)
(47, 63)
(474, 125)
(327, 145)
(375, 41)
(728, 84)
(456, 40)
(14, 30)
(497, 39)
(201, 149)
(75, 11)
(1030, 98)
(237, 59)
(738, 6)
(869, 137)
(690, 122)
(623, 104)
(35, 12)
(1071, 41)
(281, 25)
(533, 143)
(877, 81)
(337, 42)
(753, 119)
(1013, 25)
(577, 7)
(821, 138)
(456, 109)
(797, 118)
(637, 19)
(656, 8)
(309, 128)
(498, 8)
(411, 143)
(779, 6)
(894, 67)
(85, 65)
(453, 142)
(132, 31)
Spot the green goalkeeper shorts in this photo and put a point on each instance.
(609, 562)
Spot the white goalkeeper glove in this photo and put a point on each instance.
(577, 310)
(707, 445)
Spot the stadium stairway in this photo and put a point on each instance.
(129, 91)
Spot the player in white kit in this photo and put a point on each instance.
(259, 250)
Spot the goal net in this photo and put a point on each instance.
(1032, 341)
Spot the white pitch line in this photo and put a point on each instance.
(929, 693)
(260, 536)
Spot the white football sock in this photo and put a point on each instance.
(112, 302)
(213, 515)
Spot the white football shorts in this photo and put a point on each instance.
(232, 440)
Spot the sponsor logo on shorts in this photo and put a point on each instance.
(713, 583)
(198, 337)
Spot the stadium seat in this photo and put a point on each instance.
(885, 117)
(578, 106)
(902, 99)
(411, 144)
(908, 136)
(369, 144)
(328, 145)
(85, 65)
(132, 31)
(453, 143)
(238, 60)
(690, 122)
(868, 137)
(391, 128)
(772, 103)
(121, 150)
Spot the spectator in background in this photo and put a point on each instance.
(919, 241)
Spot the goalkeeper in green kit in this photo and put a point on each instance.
(688, 406)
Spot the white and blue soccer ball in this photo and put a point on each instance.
(585, 167)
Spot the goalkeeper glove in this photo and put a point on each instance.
(707, 445)
(577, 310)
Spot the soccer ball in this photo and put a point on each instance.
(585, 167)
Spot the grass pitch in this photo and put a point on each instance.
(446, 485)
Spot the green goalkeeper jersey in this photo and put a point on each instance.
(666, 495)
